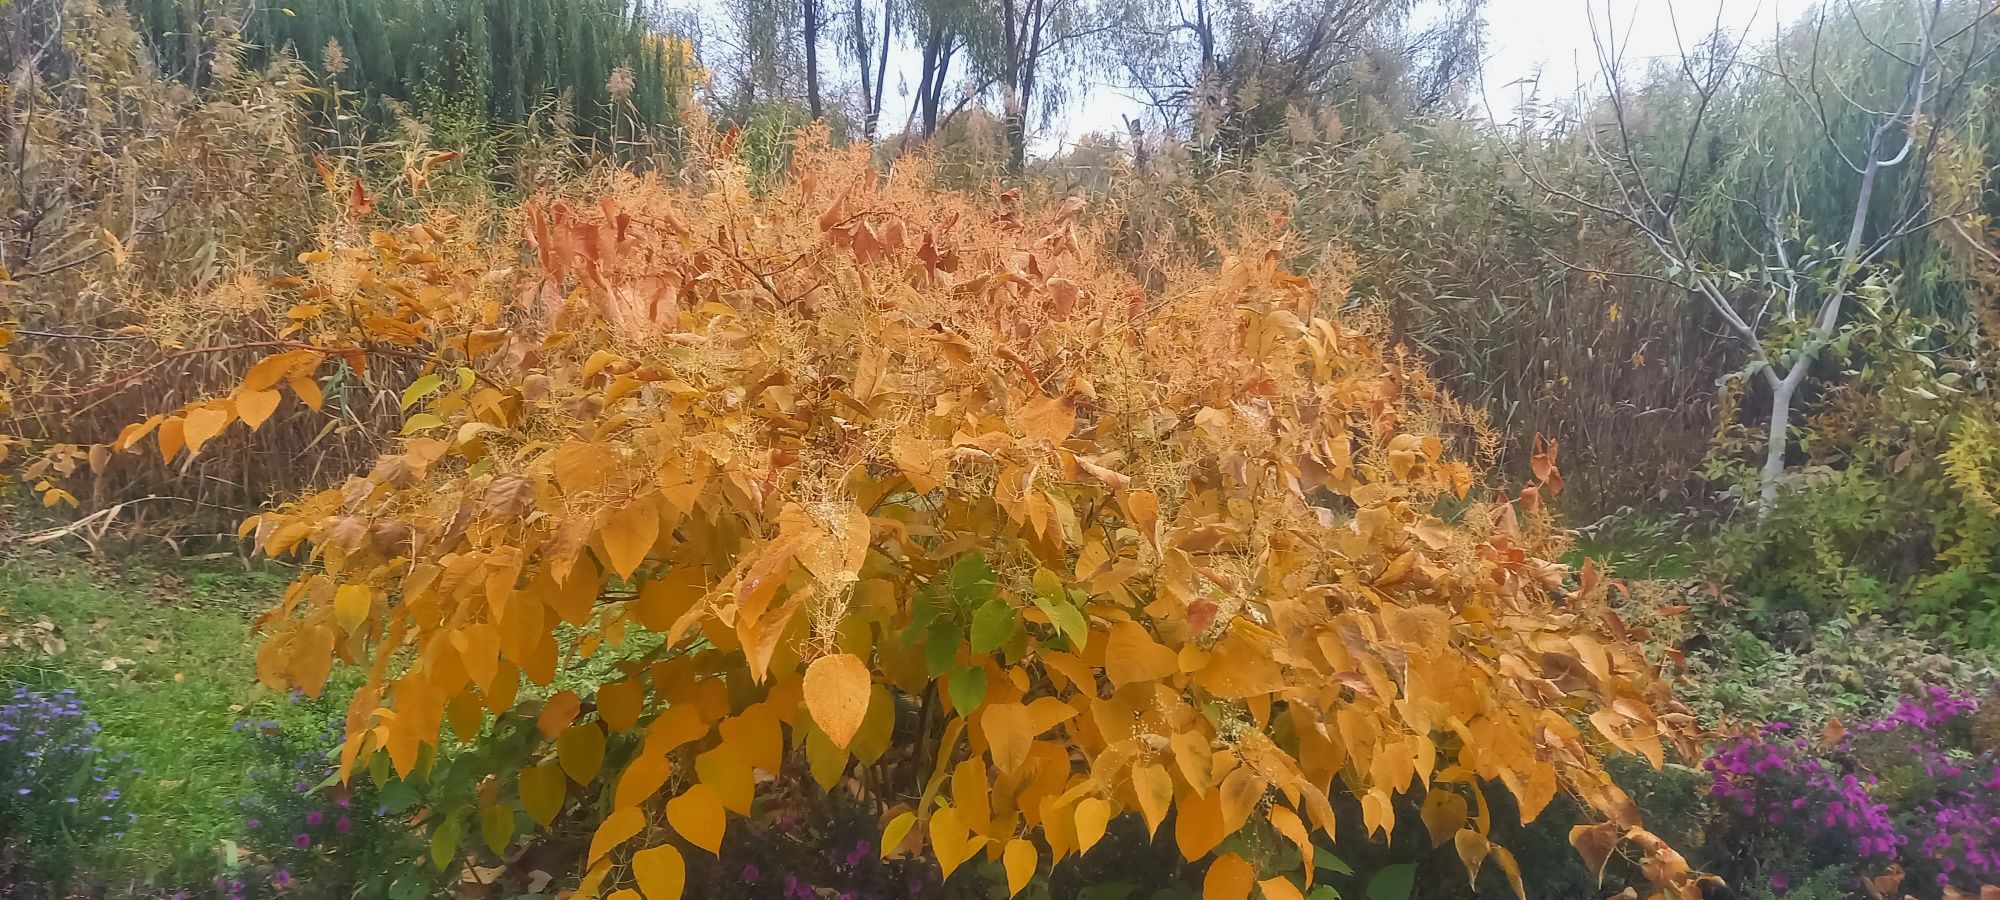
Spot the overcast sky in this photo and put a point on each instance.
(1545, 39)
(1549, 39)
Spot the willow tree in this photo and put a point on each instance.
(1779, 186)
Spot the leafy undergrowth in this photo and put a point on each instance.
(161, 653)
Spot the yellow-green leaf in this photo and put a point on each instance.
(542, 789)
(580, 749)
(496, 825)
(350, 606)
(896, 832)
(419, 388)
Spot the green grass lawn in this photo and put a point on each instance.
(162, 654)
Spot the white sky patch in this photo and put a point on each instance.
(1539, 47)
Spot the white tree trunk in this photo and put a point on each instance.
(1782, 392)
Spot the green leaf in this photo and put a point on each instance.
(992, 625)
(941, 648)
(1062, 613)
(971, 581)
(1325, 860)
(967, 687)
(1392, 883)
(444, 841)
(419, 388)
(1323, 892)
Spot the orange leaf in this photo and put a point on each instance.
(629, 534)
(256, 406)
(1132, 655)
(1229, 877)
(1595, 843)
(1280, 889)
(618, 704)
(202, 424)
(1155, 790)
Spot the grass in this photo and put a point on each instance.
(162, 655)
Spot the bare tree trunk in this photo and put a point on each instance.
(1782, 392)
(861, 63)
(812, 56)
(882, 64)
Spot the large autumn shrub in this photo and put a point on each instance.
(918, 494)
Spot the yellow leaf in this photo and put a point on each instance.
(1287, 823)
(660, 871)
(897, 831)
(645, 775)
(1092, 815)
(253, 407)
(697, 815)
(1229, 877)
(542, 789)
(203, 423)
(350, 606)
(1020, 860)
(629, 534)
(1472, 850)
(877, 729)
(1511, 868)
(1132, 655)
(618, 704)
(618, 828)
(1155, 790)
(580, 749)
(837, 694)
(1242, 788)
(1010, 732)
(726, 771)
(1443, 813)
(951, 842)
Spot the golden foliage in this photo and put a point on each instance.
(849, 440)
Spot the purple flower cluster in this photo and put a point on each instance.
(1774, 781)
(56, 784)
(1919, 786)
